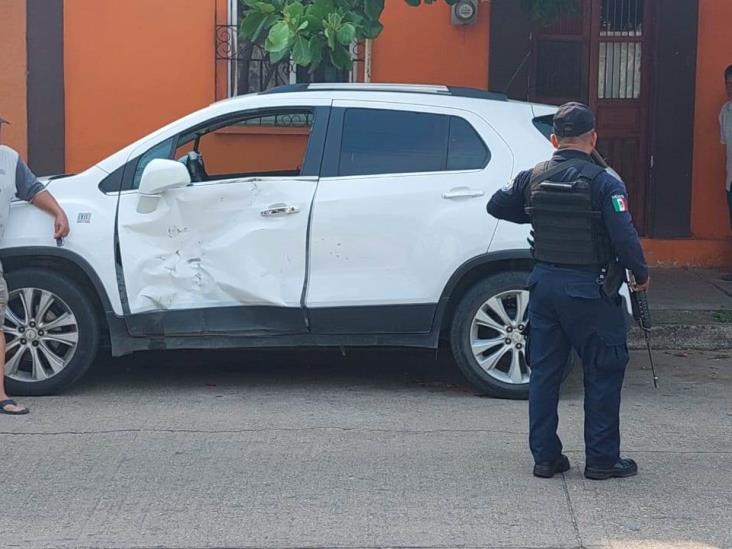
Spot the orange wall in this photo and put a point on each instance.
(419, 45)
(13, 67)
(251, 150)
(709, 207)
(132, 67)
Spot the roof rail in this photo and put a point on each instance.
(395, 88)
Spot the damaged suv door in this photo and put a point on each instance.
(213, 237)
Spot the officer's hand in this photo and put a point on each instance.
(640, 287)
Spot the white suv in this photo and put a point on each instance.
(320, 215)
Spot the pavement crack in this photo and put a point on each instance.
(572, 514)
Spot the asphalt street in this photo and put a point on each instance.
(374, 449)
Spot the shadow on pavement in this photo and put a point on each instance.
(382, 368)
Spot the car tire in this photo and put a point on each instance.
(489, 350)
(67, 346)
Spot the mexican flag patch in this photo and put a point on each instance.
(620, 203)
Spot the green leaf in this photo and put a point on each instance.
(253, 25)
(341, 57)
(373, 8)
(279, 38)
(316, 46)
(372, 29)
(355, 19)
(330, 36)
(265, 7)
(294, 11)
(346, 34)
(301, 51)
(317, 12)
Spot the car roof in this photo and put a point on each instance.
(471, 99)
(424, 89)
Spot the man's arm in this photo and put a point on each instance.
(46, 202)
(31, 190)
(508, 203)
(623, 236)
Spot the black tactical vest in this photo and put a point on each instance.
(565, 228)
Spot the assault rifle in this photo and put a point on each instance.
(642, 315)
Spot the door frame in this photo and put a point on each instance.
(243, 320)
(591, 39)
(640, 203)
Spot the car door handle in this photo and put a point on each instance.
(462, 192)
(277, 210)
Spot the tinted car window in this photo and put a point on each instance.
(383, 141)
(466, 150)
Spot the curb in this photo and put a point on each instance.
(706, 337)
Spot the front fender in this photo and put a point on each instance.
(90, 244)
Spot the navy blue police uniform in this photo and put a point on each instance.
(569, 309)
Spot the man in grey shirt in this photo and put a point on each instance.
(16, 179)
(725, 124)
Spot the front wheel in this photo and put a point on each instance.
(489, 336)
(51, 332)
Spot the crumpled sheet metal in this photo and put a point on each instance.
(209, 246)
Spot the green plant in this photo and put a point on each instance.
(315, 32)
(311, 32)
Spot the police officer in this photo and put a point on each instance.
(582, 234)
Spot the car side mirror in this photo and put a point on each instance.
(160, 175)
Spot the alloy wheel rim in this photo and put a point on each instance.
(41, 333)
(498, 337)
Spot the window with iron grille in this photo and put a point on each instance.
(244, 67)
(621, 41)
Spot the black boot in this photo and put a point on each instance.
(625, 467)
(548, 470)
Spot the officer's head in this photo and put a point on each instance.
(574, 128)
(728, 81)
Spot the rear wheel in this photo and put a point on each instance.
(51, 332)
(489, 336)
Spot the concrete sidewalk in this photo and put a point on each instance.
(691, 309)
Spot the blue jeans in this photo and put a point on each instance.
(567, 310)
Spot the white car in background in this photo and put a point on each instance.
(311, 215)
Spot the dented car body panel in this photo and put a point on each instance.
(209, 245)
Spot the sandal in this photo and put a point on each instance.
(9, 402)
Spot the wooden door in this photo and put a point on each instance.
(600, 56)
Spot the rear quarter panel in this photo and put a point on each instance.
(529, 147)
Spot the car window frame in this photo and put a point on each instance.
(311, 168)
(334, 140)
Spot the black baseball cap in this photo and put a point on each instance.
(573, 119)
